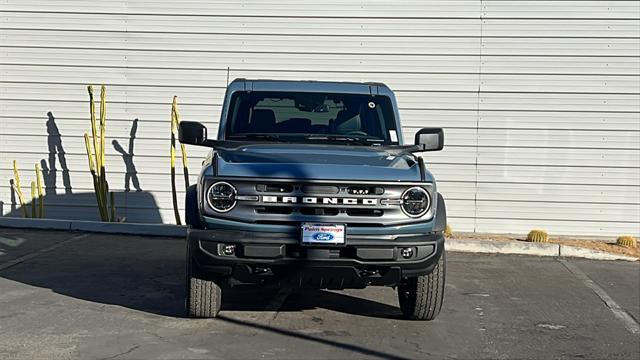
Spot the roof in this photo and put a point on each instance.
(373, 88)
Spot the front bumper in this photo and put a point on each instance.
(366, 259)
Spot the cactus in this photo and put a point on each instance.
(37, 198)
(448, 232)
(627, 241)
(537, 235)
(87, 145)
(90, 153)
(97, 167)
(172, 153)
(183, 149)
(103, 120)
(175, 121)
(37, 202)
(18, 189)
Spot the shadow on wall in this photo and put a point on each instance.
(127, 157)
(49, 171)
(138, 206)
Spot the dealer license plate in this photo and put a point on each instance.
(322, 234)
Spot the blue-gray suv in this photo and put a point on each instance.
(310, 185)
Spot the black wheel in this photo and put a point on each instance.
(203, 296)
(421, 297)
(191, 212)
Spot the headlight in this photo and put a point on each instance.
(415, 201)
(222, 196)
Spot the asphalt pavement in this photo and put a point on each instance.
(99, 296)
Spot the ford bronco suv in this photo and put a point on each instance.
(310, 185)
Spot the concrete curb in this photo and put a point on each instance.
(46, 224)
(95, 226)
(502, 247)
(525, 248)
(574, 251)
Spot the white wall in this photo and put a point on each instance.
(540, 100)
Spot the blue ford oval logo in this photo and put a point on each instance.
(323, 236)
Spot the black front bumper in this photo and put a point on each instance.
(279, 257)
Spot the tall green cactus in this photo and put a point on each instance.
(175, 122)
(18, 189)
(97, 167)
(37, 198)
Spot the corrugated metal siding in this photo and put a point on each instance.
(540, 99)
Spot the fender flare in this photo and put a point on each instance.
(192, 216)
(441, 214)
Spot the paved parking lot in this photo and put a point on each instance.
(72, 295)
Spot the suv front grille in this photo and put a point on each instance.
(285, 202)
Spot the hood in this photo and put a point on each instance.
(316, 161)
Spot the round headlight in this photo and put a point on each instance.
(415, 201)
(222, 196)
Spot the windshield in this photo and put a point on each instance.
(324, 117)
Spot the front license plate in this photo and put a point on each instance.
(322, 234)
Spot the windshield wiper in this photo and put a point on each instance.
(268, 137)
(346, 138)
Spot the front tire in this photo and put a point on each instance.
(421, 297)
(203, 296)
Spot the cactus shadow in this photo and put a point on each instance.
(56, 152)
(131, 175)
(62, 201)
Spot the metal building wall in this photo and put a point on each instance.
(540, 100)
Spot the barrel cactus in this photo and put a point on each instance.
(627, 241)
(447, 231)
(537, 235)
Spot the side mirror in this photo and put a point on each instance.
(192, 132)
(430, 139)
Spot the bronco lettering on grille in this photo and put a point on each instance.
(318, 200)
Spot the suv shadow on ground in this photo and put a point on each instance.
(145, 274)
